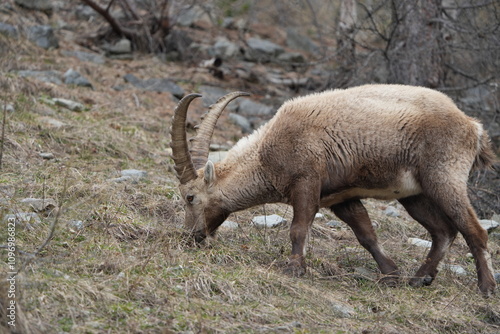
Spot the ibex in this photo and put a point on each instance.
(333, 149)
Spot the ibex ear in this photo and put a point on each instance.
(209, 173)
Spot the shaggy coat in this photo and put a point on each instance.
(334, 148)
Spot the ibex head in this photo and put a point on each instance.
(195, 172)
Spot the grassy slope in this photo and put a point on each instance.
(128, 270)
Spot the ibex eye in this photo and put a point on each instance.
(189, 198)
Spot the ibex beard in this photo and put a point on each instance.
(333, 149)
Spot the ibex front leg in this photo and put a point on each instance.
(305, 202)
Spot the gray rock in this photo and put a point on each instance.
(43, 36)
(297, 41)
(228, 23)
(45, 76)
(212, 93)
(6, 107)
(392, 211)
(85, 56)
(68, 104)
(489, 225)
(156, 85)
(363, 273)
(225, 49)
(178, 41)
(291, 57)
(217, 156)
(192, 14)
(40, 204)
(52, 122)
(72, 77)
(76, 224)
(46, 155)
(420, 242)
(268, 221)
(123, 46)
(494, 236)
(459, 270)
(8, 30)
(497, 277)
(319, 215)
(342, 310)
(42, 5)
(249, 107)
(262, 50)
(84, 12)
(230, 224)
(334, 224)
(242, 122)
(134, 173)
(24, 219)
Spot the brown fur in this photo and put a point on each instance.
(333, 148)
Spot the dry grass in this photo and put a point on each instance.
(129, 271)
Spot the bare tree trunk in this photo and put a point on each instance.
(346, 43)
(414, 51)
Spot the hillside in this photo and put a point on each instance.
(98, 235)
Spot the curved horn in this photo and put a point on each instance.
(180, 151)
(201, 143)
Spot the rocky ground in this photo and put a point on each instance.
(87, 178)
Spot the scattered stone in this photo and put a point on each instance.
(43, 36)
(178, 41)
(420, 242)
(53, 123)
(225, 49)
(268, 221)
(46, 155)
(459, 270)
(6, 107)
(363, 273)
(212, 93)
(343, 311)
(334, 224)
(23, 219)
(8, 30)
(230, 224)
(69, 104)
(497, 277)
(41, 5)
(297, 41)
(291, 57)
(494, 236)
(123, 46)
(41, 205)
(392, 211)
(85, 56)
(242, 122)
(319, 215)
(249, 107)
(292, 82)
(155, 85)
(217, 156)
(84, 12)
(72, 77)
(45, 76)
(260, 50)
(488, 224)
(134, 173)
(76, 224)
(193, 16)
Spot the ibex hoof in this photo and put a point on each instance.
(421, 281)
(295, 267)
(390, 280)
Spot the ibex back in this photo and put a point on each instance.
(334, 148)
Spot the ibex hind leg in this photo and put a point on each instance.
(354, 214)
(442, 232)
(451, 196)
